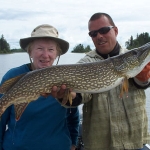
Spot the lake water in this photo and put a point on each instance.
(8, 61)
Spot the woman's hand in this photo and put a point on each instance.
(59, 92)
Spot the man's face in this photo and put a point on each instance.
(104, 43)
(43, 53)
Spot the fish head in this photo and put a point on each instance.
(133, 61)
(140, 58)
(143, 55)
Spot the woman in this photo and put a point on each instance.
(44, 124)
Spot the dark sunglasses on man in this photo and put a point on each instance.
(102, 30)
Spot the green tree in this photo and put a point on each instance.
(4, 46)
(87, 49)
(80, 49)
(140, 40)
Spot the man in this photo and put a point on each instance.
(110, 122)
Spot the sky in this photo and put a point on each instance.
(19, 17)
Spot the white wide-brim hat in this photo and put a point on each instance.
(45, 31)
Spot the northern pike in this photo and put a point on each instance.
(93, 77)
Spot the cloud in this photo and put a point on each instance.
(19, 18)
(17, 14)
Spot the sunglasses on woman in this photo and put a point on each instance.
(102, 30)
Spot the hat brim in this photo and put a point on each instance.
(64, 45)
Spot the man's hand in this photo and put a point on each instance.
(144, 75)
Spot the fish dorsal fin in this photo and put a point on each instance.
(19, 109)
(9, 83)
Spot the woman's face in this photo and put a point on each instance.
(43, 52)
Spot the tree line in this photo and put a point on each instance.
(140, 40)
(5, 47)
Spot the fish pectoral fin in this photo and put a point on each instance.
(124, 88)
(19, 109)
(9, 83)
(67, 97)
